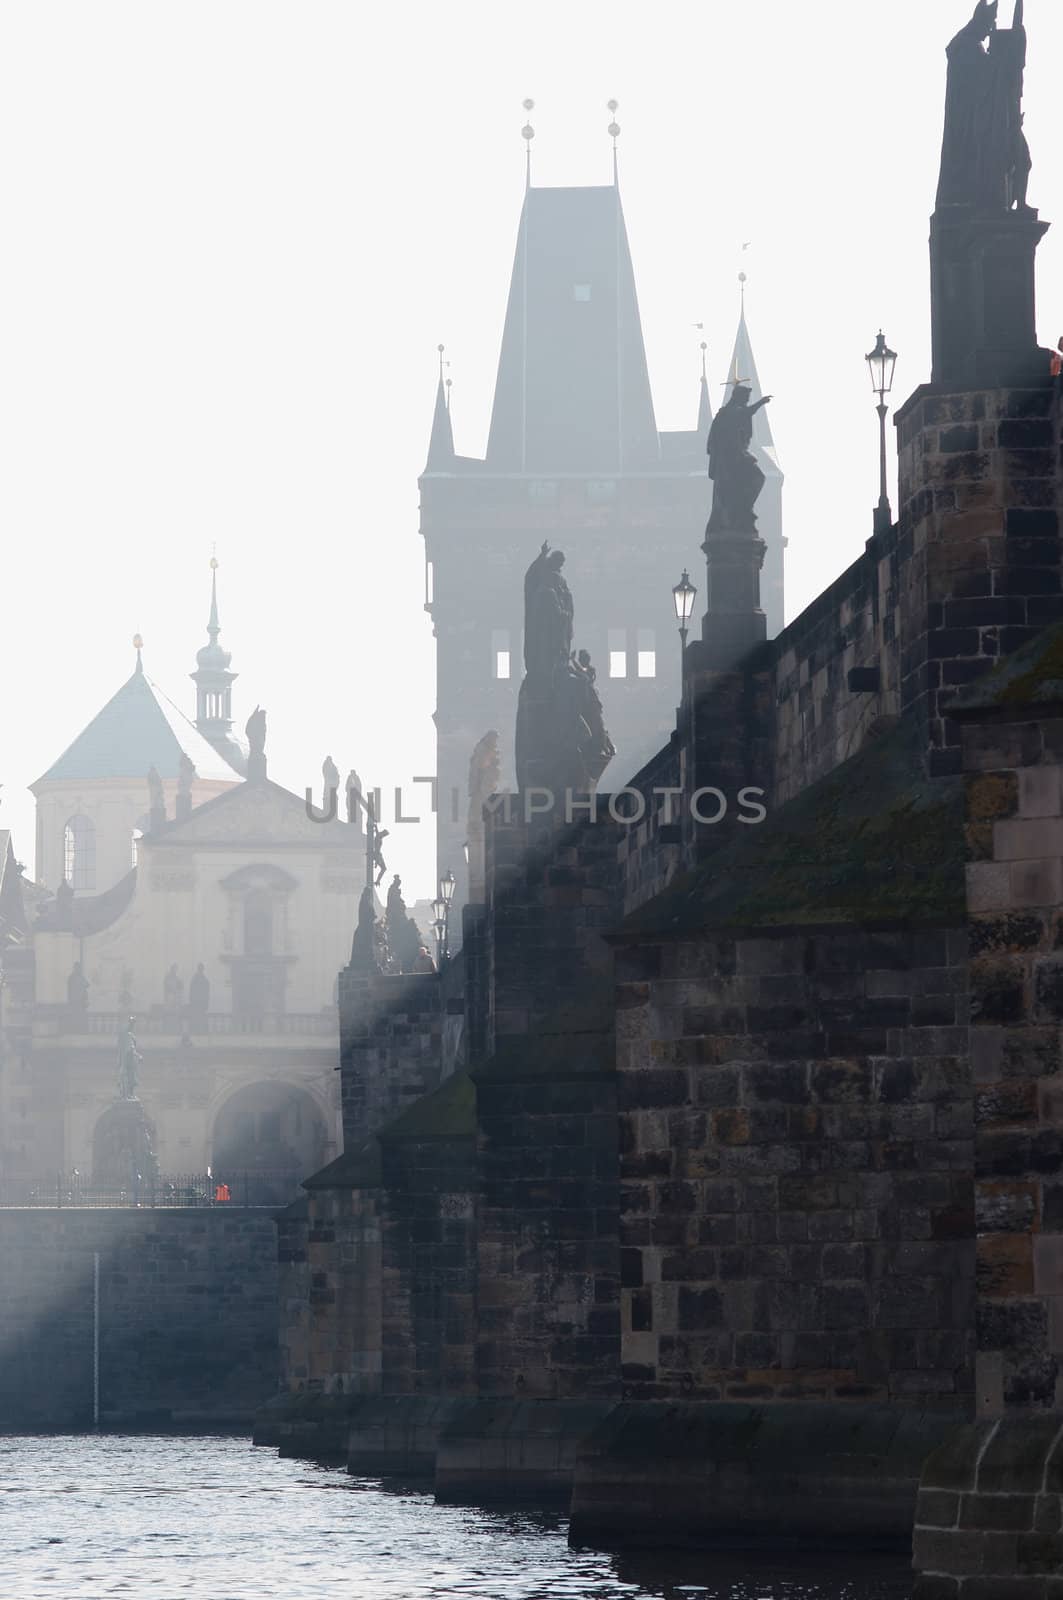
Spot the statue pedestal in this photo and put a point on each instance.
(124, 1147)
(734, 623)
(982, 298)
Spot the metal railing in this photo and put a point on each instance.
(169, 1191)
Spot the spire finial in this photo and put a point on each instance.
(213, 625)
(138, 645)
(743, 280)
(441, 348)
(527, 133)
(704, 348)
(613, 131)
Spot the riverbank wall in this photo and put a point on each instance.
(182, 1312)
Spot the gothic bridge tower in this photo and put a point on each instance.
(574, 456)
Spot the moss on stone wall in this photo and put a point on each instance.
(448, 1113)
(1032, 676)
(875, 842)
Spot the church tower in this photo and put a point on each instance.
(214, 681)
(575, 457)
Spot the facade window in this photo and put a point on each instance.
(617, 653)
(79, 853)
(500, 653)
(542, 491)
(647, 653)
(581, 291)
(258, 923)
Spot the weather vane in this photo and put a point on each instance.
(613, 130)
(527, 133)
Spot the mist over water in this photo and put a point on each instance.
(213, 1519)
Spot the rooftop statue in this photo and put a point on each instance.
(561, 744)
(985, 159)
(736, 476)
(256, 732)
(129, 1059)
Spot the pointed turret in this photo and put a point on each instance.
(441, 443)
(704, 403)
(214, 681)
(743, 369)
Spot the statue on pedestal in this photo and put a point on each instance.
(735, 472)
(129, 1060)
(199, 994)
(77, 989)
(561, 745)
(985, 159)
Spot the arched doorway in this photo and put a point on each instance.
(267, 1138)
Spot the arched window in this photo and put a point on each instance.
(258, 923)
(79, 852)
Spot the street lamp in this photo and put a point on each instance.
(447, 885)
(881, 362)
(439, 914)
(684, 595)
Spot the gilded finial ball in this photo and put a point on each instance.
(213, 563)
(441, 348)
(527, 132)
(704, 346)
(529, 105)
(613, 130)
(612, 105)
(138, 643)
(742, 278)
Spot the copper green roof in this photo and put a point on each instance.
(138, 728)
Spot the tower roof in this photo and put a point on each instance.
(212, 659)
(441, 444)
(744, 366)
(573, 390)
(138, 728)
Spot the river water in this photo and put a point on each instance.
(146, 1518)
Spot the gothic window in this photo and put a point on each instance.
(617, 652)
(647, 653)
(79, 853)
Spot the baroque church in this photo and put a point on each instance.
(185, 899)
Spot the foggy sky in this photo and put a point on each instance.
(235, 233)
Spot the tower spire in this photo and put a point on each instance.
(704, 403)
(214, 680)
(527, 133)
(441, 442)
(613, 131)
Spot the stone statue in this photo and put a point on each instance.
(77, 989)
(404, 937)
(561, 743)
(256, 732)
(173, 990)
(157, 797)
(129, 1060)
(353, 788)
(199, 993)
(330, 775)
(736, 476)
(985, 159)
(186, 774)
(364, 949)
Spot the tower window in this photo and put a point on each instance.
(617, 653)
(79, 853)
(500, 653)
(542, 491)
(647, 653)
(581, 291)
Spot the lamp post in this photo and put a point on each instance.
(684, 595)
(439, 915)
(881, 363)
(447, 885)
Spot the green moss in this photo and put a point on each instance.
(875, 842)
(449, 1112)
(1032, 676)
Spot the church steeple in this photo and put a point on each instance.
(441, 443)
(704, 402)
(213, 680)
(744, 368)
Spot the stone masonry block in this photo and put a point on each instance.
(1031, 838)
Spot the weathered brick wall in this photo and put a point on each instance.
(391, 1047)
(337, 1331)
(1015, 899)
(650, 851)
(548, 1255)
(188, 1314)
(796, 1168)
(429, 1266)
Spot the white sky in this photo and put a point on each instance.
(236, 230)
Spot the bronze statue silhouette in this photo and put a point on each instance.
(255, 730)
(985, 159)
(735, 472)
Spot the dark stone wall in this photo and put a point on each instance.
(796, 1149)
(188, 1316)
(391, 1052)
(548, 1253)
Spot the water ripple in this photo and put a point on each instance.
(87, 1518)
